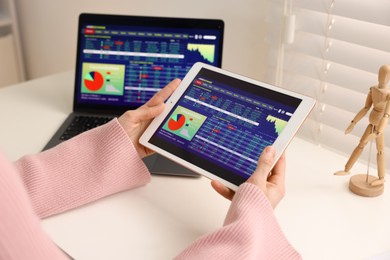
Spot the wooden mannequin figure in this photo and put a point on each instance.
(379, 99)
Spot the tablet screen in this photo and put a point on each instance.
(222, 124)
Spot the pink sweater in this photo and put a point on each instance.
(102, 162)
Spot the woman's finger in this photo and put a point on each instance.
(222, 190)
(164, 93)
(260, 175)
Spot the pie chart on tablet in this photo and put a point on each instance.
(176, 122)
(93, 80)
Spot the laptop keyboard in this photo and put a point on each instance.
(83, 123)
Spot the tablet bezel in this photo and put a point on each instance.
(280, 144)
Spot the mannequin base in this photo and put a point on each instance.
(359, 185)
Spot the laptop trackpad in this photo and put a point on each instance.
(158, 164)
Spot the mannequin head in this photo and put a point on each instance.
(383, 76)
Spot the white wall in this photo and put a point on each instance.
(48, 29)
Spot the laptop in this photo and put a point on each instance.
(122, 61)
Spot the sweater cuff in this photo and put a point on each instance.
(249, 206)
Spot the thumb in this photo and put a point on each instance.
(149, 112)
(260, 175)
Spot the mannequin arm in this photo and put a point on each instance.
(385, 118)
(360, 114)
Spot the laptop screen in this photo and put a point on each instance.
(122, 61)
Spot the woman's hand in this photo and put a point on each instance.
(136, 121)
(270, 182)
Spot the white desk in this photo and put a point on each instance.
(320, 216)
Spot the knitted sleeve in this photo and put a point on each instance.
(21, 233)
(87, 167)
(250, 231)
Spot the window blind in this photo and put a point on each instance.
(331, 50)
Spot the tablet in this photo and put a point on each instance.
(217, 123)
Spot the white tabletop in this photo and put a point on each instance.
(319, 215)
